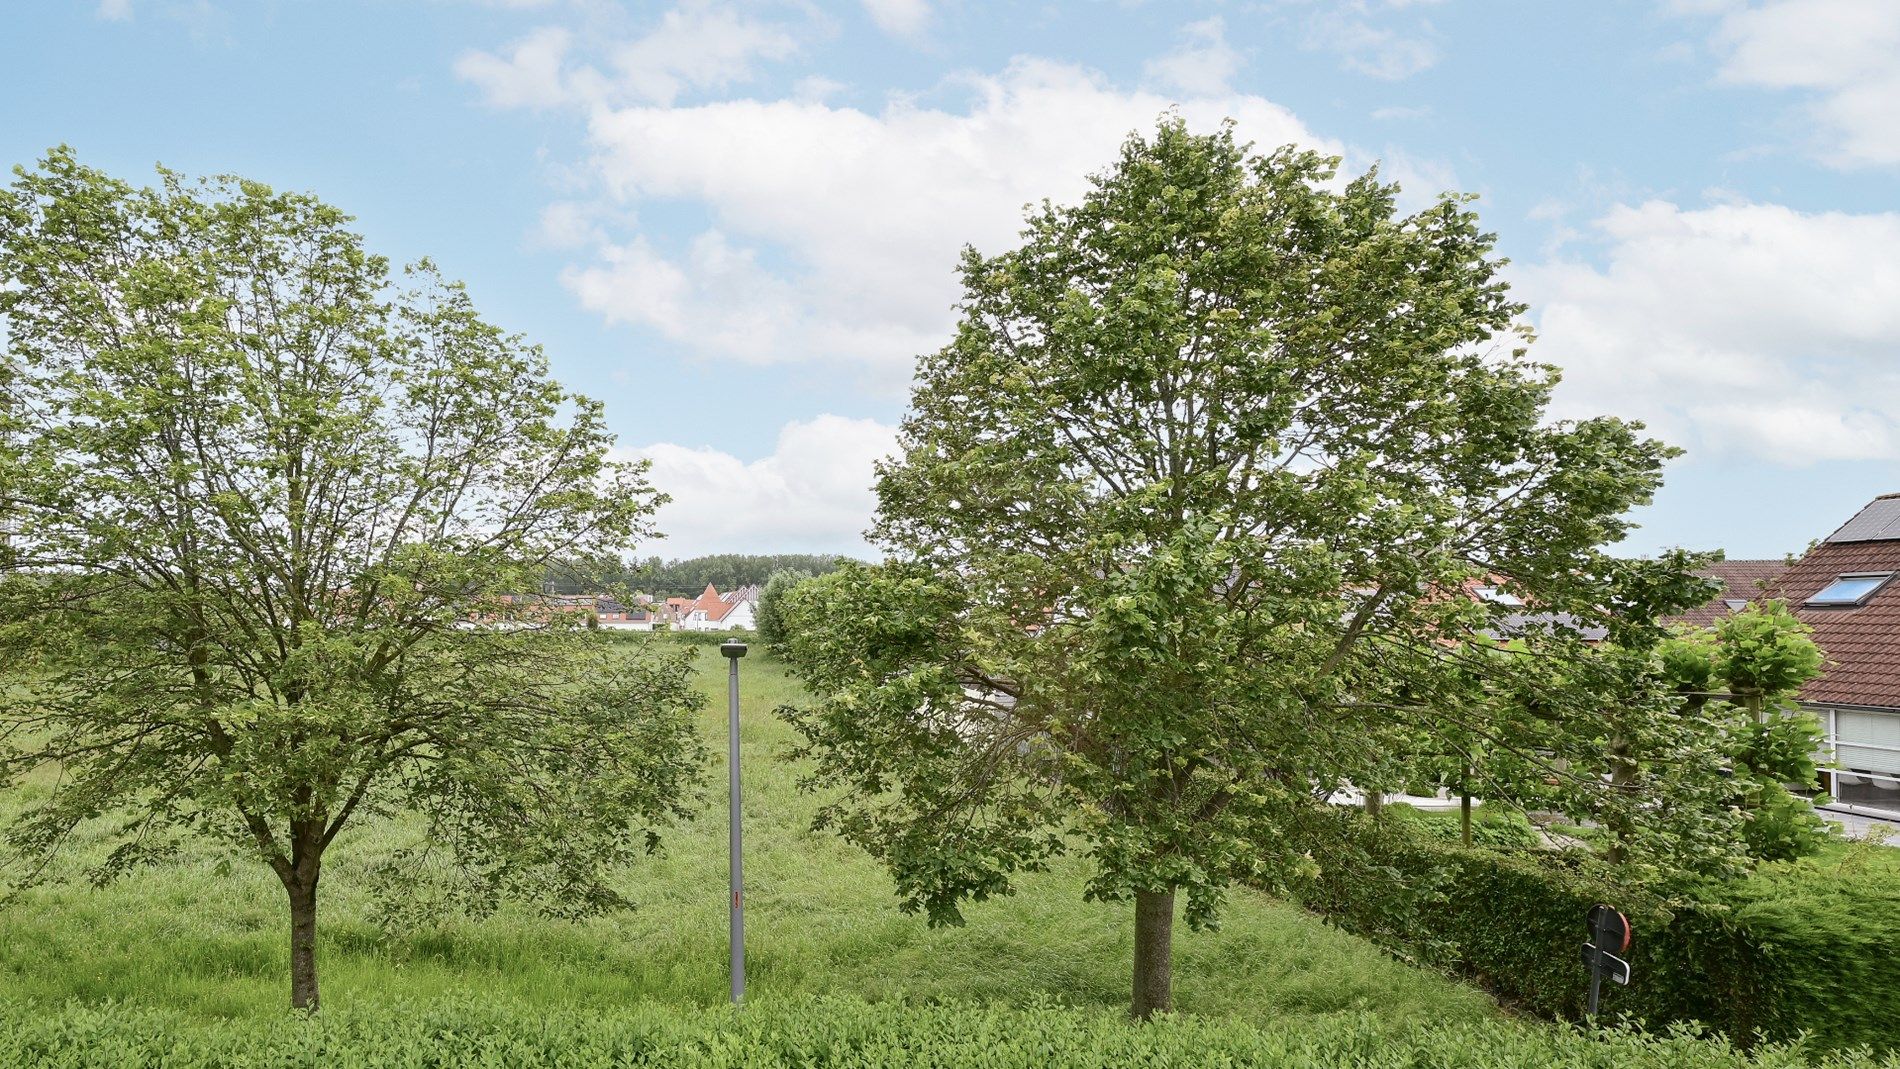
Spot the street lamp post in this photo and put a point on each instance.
(736, 865)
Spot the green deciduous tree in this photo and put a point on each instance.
(267, 513)
(687, 577)
(1751, 663)
(1182, 529)
(770, 614)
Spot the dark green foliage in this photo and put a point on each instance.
(1827, 937)
(1743, 673)
(770, 613)
(679, 638)
(685, 578)
(829, 1033)
(1492, 826)
(256, 488)
(1171, 533)
(699, 638)
(1797, 948)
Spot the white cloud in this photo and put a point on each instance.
(812, 494)
(1202, 65)
(1370, 49)
(529, 76)
(1738, 330)
(567, 224)
(115, 10)
(1845, 52)
(1372, 38)
(697, 45)
(903, 18)
(817, 87)
(835, 230)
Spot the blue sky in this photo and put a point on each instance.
(735, 222)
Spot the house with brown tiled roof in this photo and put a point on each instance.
(713, 611)
(529, 610)
(1743, 582)
(1845, 589)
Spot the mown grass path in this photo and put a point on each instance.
(821, 921)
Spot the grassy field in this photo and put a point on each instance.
(821, 919)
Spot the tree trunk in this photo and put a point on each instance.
(1375, 802)
(303, 942)
(1464, 816)
(1622, 774)
(1154, 954)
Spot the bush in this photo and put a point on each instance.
(1789, 951)
(1493, 826)
(770, 613)
(686, 638)
(823, 1034)
(708, 638)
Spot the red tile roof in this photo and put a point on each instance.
(716, 605)
(1741, 579)
(1862, 642)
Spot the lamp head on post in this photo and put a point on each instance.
(734, 650)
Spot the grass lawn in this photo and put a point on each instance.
(205, 938)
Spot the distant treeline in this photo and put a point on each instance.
(685, 578)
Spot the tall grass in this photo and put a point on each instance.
(207, 935)
(834, 1034)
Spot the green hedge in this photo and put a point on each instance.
(818, 1035)
(1798, 950)
(688, 638)
(709, 638)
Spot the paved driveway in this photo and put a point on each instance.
(1860, 824)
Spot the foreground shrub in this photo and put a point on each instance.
(828, 1034)
(703, 638)
(1794, 950)
(1492, 826)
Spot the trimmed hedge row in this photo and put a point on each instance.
(824, 1034)
(709, 638)
(1772, 957)
(684, 638)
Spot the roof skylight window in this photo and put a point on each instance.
(1851, 589)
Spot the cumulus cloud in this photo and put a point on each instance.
(530, 75)
(1373, 37)
(1846, 53)
(813, 494)
(1202, 65)
(835, 230)
(696, 45)
(568, 224)
(699, 45)
(904, 18)
(1737, 330)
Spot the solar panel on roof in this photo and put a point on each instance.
(1878, 522)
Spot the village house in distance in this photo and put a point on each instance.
(711, 611)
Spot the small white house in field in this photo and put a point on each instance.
(713, 611)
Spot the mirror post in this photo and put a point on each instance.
(736, 865)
